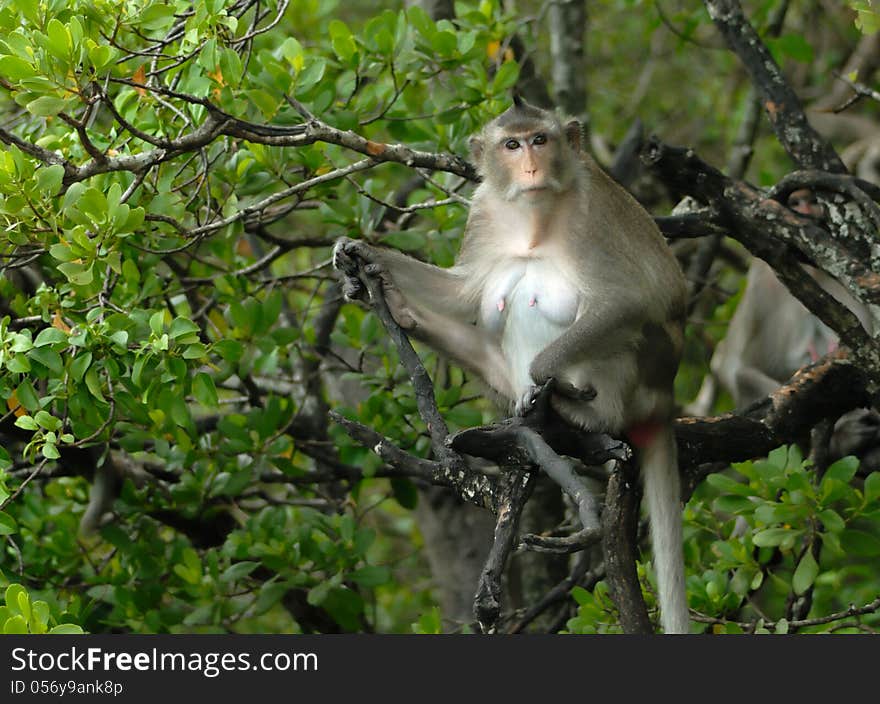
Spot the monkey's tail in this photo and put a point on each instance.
(659, 460)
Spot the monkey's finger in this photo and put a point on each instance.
(374, 269)
(570, 391)
(526, 403)
(341, 259)
(353, 289)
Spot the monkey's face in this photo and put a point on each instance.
(804, 201)
(530, 162)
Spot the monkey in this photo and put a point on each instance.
(561, 275)
(772, 334)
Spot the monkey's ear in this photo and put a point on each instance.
(574, 132)
(476, 145)
(518, 100)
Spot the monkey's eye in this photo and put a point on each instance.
(539, 138)
(511, 144)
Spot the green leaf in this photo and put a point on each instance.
(48, 179)
(26, 423)
(49, 358)
(872, 487)
(12, 596)
(238, 571)
(27, 396)
(342, 41)
(47, 420)
(843, 470)
(8, 526)
(724, 483)
(445, 44)
(93, 384)
(805, 574)
(93, 203)
(429, 623)
(270, 594)
(506, 78)
(771, 537)
(195, 351)
(101, 55)
(733, 504)
(157, 322)
(157, 16)
(59, 39)
(230, 350)
(15, 69)
(46, 105)
(15, 626)
(832, 521)
(311, 75)
(318, 594)
(180, 327)
(50, 336)
(77, 273)
(204, 390)
(67, 629)
(79, 365)
(421, 21)
(18, 364)
(50, 451)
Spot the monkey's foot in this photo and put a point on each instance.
(359, 264)
(535, 399)
(539, 394)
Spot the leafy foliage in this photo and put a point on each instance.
(21, 615)
(768, 538)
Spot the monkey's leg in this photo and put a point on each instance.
(424, 301)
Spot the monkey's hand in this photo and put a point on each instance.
(356, 259)
(534, 394)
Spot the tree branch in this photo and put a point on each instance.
(781, 103)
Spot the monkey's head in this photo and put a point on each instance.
(527, 152)
(804, 201)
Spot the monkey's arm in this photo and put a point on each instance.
(425, 301)
(409, 285)
(606, 326)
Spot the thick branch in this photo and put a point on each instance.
(770, 231)
(620, 545)
(827, 389)
(782, 104)
(515, 491)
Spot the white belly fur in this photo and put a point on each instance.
(528, 304)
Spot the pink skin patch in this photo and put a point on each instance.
(642, 434)
(500, 305)
(532, 301)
